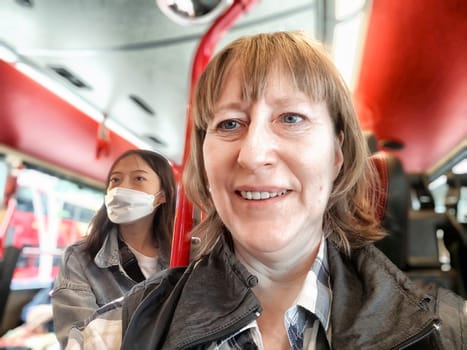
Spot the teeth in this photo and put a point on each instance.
(261, 195)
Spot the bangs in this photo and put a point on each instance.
(303, 62)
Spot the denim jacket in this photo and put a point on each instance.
(83, 284)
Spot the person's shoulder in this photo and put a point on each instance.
(451, 306)
(161, 279)
(75, 254)
(153, 291)
(452, 311)
(156, 286)
(75, 248)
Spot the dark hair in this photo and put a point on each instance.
(163, 222)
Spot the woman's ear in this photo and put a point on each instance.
(338, 154)
(159, 198)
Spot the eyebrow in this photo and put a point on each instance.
(131, 172)
(282, 100)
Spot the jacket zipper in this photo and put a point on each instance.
(432, 327)
(227, 331)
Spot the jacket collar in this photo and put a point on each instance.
(374, 304)
(219, 302)
(213, 297)
(109, 254)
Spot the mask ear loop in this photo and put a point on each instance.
(159, 198)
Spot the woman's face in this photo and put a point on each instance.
(134, 173)
(270, 165)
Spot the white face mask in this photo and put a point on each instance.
(125, 205)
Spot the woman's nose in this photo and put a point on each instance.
(125, 183)
(257, 148)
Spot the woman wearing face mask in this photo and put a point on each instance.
(129, 239)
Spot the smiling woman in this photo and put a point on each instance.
(250, 152)
(280, 166)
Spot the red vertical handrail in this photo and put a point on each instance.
(180, 253)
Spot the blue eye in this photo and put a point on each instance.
(228, 124)
(292, 118)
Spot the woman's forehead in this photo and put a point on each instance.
(132, 162)
(237, 81)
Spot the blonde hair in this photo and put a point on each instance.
(350, 217)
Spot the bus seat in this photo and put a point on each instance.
(453, 194)
(421, 194)
(414, 242)
(438, 243)
(371, 141)
(394, 216)
(7, 266)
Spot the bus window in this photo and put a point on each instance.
(51, 213)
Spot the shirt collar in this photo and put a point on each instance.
(316, 293)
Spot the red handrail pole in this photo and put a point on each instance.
(180, 253)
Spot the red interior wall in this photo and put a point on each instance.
(38, 123)
(412, 88)
(413, 80)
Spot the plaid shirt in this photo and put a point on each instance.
(313, 307)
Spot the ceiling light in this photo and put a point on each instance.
(191, 12)
(61, 91)
(25, 3)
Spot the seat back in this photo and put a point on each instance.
(420, 241)
(453, 195)
(421, 193)
(7, 266)
(394, 207)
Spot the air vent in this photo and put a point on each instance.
(25, 3)
(156, 140)
(72, 78)
(142, 104)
